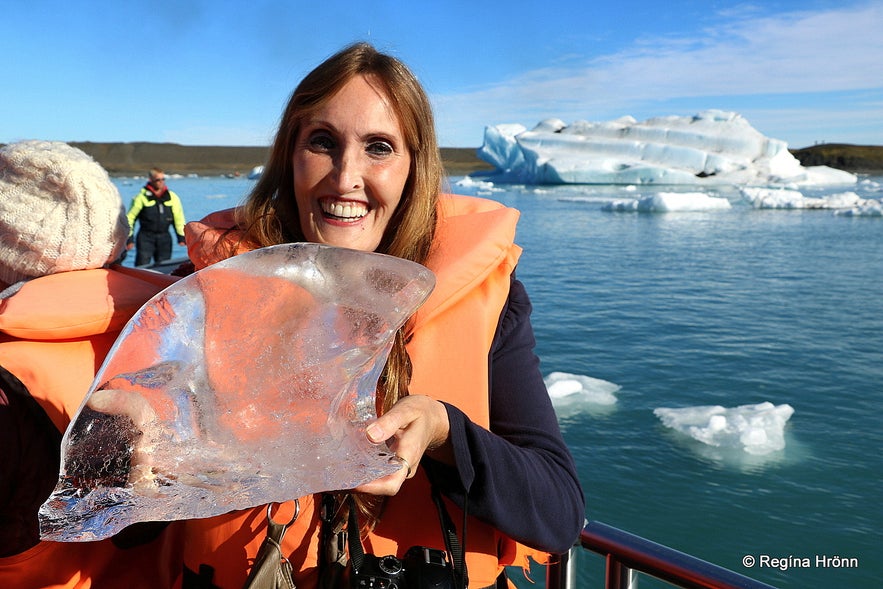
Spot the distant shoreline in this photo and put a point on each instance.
(135, 159)
(858, 159)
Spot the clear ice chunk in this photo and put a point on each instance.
(247, 382)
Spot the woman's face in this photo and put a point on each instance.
(351, 164)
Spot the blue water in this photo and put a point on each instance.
(729, 308)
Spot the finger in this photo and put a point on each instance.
(401, 416)
(376, 434)
(118, 402)
(385, 486)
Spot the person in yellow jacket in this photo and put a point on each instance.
(156, 209)
(461, 400)
(63, 302)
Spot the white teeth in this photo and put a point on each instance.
(345, 211)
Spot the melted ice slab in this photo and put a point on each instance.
(247, 382)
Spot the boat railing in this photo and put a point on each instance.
(627, 555)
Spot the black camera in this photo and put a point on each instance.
(384, 572)
(428, 567)
(421, 567)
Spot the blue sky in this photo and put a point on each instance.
(215, 72)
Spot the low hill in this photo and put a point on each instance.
(135, 159)
(866, 159)
(123, 159)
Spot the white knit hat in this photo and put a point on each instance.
(59, 211)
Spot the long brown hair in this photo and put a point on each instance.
(270, 215)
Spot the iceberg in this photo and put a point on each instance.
(245, 383)
(712, 147)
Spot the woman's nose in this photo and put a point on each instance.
(349, 172)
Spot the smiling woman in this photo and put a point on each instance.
(460, 401)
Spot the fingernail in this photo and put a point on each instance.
(375, 434)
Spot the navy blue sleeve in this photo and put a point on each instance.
(520, 476)
(29, 444)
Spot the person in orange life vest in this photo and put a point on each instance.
(461, 401)
(63, 301)
(156, 208)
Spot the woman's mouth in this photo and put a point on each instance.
(343, 211)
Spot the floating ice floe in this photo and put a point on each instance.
(786, 198)
(666, 202)
(756, 429)
(474, 183)
(572, 392)
(245, 383)
(712, 147)
(868, 208)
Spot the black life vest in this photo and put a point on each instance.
(156, 216)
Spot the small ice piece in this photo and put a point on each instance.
(566, 389)
(245, 383)
(669, 202)
(842, 203)
(867, 208)
(563, 388)
(755, 429)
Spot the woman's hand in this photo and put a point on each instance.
(414, 426)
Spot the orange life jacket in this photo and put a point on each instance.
(54, 334)
(450, 338)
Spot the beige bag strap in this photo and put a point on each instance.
(271, 568)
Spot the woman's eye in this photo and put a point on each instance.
(321, 142)
(380, 148)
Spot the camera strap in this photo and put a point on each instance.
(332, 544)
(354, 541)
(449, 531)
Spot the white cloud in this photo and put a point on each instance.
(745, 55)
